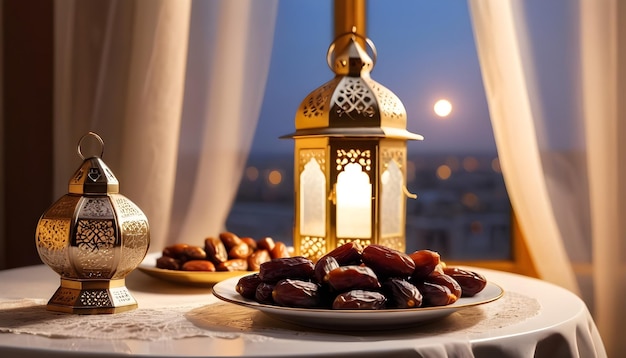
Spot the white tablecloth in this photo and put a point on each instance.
(532, 319)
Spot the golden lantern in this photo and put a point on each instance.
(350, 158)
(93, 237)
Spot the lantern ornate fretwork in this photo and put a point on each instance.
(93, 237)
(350, 159)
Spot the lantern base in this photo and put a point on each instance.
(92, 297)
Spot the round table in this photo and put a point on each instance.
(532, 319)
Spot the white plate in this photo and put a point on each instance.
(190, 278)
(355, 319)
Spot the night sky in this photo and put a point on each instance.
(425, 50)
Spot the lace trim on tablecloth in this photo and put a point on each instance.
(29, 316)
(225, 320)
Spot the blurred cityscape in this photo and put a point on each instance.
(462, 210)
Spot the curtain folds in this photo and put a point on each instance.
(508, 90)
(175, 90)
(558, 136)
(603, 39)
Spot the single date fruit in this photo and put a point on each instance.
(296, 267)
(296, 293)
(167, 263)
(425, 262)
(352, 277)
(347, 254)
(257, 258)
(198, 265)
(387, 262)
(229, 239)
(402, 294)
(279, 250)
(435, 294)
(240, 251)
(175, 251)
(215, 250)
(359, 300)
(323, 266)
(266, 243)
(263, 293)
(471, 282)
(233, 265)
(250, 241)
(246, 286)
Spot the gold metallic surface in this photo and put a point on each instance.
(350, 120)
(92, 237)
(350, 15)
(92, 297)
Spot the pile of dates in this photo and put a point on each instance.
(357, 278)
(227, 252)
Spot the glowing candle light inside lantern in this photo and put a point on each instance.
(354, 203)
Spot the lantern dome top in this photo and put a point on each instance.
(93, 176)
(352, 104)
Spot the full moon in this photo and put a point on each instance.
(442, 107)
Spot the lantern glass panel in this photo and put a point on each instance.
(313, 200)
(392, 201)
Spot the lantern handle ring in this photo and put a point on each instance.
(331, 48)
(92, 134)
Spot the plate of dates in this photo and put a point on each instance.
(189, 278)
(217, 259)
(355, 288)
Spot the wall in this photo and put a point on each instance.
(27, 109)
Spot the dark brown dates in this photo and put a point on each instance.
(257, 258)
(279, 250)
(323, 266)
(425, 262)
(435, 294)
(471, 282)
(167, 263)
(198, 265)
(240, 251)
(233, 265)
(229, 239)
(359, 300)
(215, 250)
(297, 267)
(445, 280)
(352, 277)
(402, 294)
(263, 293)
(387, 262)
(347, 254)
(296, 293)
(246, 286)
(228, 252)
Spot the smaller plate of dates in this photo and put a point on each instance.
(213, 260)
(188, 278)
(332, 319)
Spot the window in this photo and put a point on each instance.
(426, 52)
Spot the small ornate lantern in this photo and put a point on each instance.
(350, 159)
(93, 237)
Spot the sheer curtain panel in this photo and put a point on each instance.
(554, 72)
(174, 88)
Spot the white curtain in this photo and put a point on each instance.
(553, 74)
(175, 90)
